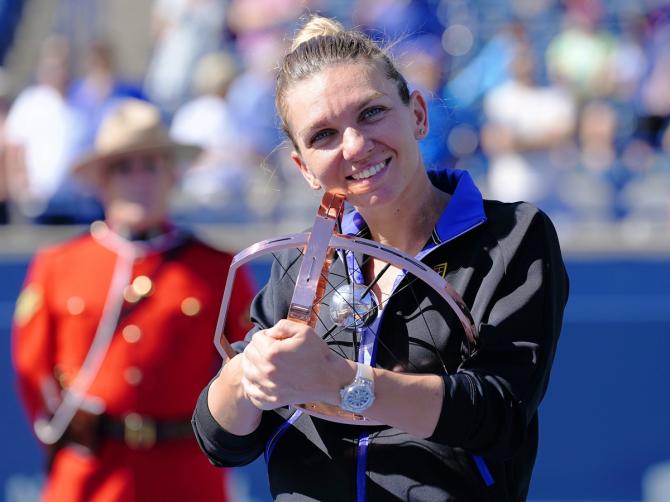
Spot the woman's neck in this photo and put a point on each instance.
(407, 225)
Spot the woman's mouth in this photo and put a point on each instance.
(370, 171)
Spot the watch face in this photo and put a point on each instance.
(357, 397)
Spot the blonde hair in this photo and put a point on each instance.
(322, 42)
(317, 26)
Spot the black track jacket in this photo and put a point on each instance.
(507, 267)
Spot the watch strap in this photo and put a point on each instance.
(365, 371)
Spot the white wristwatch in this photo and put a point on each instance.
(359, 395)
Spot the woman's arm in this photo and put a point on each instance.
(290, 364)
(493, 397)
(228, 402)
(408, 402)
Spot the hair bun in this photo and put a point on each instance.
(316, 26)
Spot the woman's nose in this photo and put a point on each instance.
(355, 144)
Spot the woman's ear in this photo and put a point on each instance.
(419, 111)
(304, 170)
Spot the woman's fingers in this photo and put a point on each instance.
(284, 365)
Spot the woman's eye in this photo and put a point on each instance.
(372, 112)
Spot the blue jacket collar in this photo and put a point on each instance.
(464, 211)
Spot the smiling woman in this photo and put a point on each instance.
(355, 136)
(437, 415)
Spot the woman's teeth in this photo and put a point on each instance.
(370, 171)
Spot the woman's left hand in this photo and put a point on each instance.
(290, 364)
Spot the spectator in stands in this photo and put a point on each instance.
(97, 91)
(393, 19)
(629, 60)
(525, 122)
(654, 98)
(113, 331)
(251, 100)
(249, 17)
(216, 184)
(580, 55)
(251, 95)
(182, 32)
(423, 62)
(488, 68)
(40, 134)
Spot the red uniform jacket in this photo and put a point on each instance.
(159, 357)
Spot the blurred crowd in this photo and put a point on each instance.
(563, 103)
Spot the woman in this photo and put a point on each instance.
(468, 432)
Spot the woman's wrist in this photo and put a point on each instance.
(342, 372)
(228, 402)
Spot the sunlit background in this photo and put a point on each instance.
(565, 104)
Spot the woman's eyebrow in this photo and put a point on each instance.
(324, 122)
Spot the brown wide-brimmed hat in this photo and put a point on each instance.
(133, 126)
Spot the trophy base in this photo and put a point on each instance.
(335, 414)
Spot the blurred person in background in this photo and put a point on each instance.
(251, 94)
(40, 136)
(488, 68)
(251, 100)
(216, 184)
(524, 123)
(580, 56)
(423, 62)
(97, 91)
(394, 19)
(117, 326)
(245, 17)
(182, 32)
(653, 98)
(629, 58)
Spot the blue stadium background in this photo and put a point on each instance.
(604, 420)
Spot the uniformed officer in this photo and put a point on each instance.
(113, 331)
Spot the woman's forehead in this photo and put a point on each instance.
(340, 75)
(334, 89)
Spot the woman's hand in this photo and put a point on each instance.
(290, 364)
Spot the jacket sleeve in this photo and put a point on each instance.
(493, 397)
(221, 447)
(33, 342)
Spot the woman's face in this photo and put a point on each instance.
(354, 135)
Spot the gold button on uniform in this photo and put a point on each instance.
(132, 333)
(132, 375)
(75, 305)
(190, 306)
(142, 285)
(130, 295)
